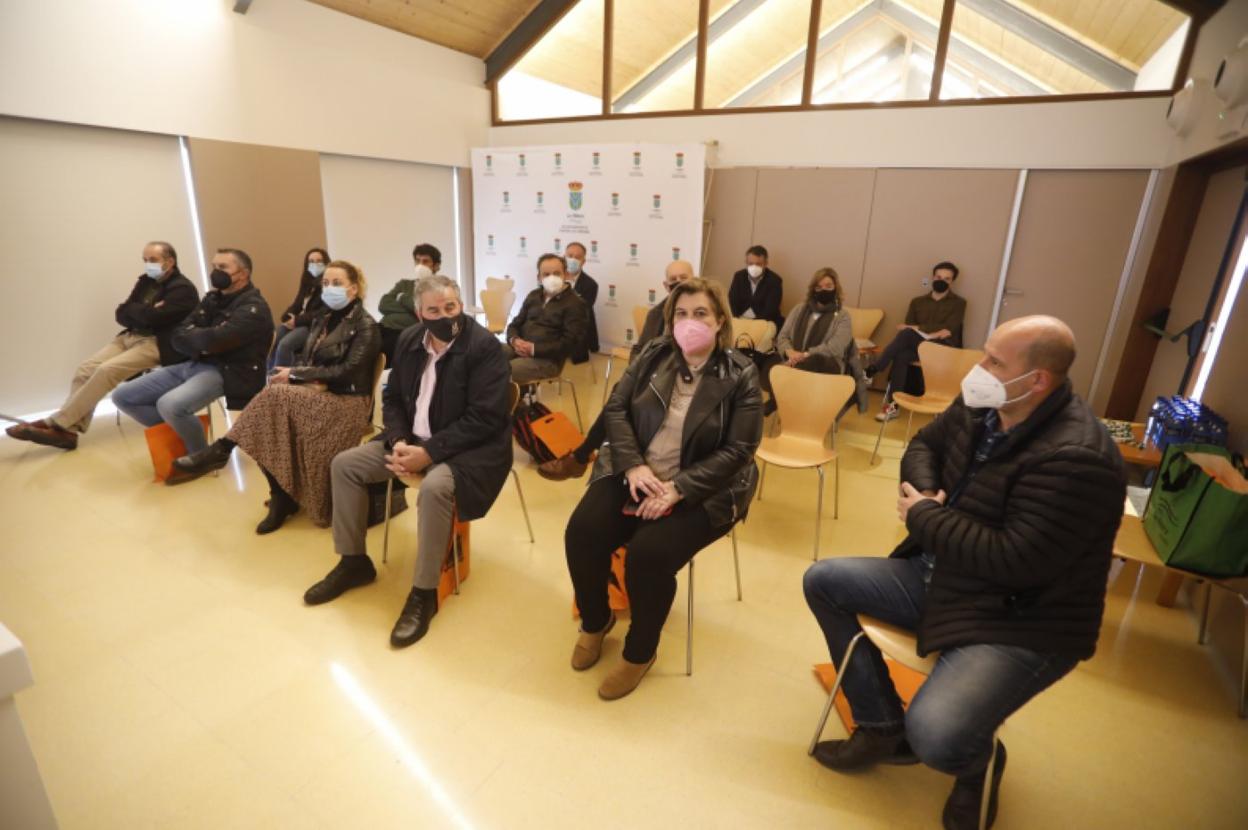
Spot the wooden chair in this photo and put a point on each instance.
(689, 614)
(943, 370)
(864, 322)
(807, 403)
(497, 284)
(497, 304)
(762, 333)
(901, 646)
(623, 352)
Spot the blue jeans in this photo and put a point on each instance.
(290, 342)
(173, 395)
(972, 690)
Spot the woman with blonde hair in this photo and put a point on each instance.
(818, 335)
(309, 412)
(675, 473)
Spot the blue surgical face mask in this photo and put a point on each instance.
(153, 269)
(335, 296)
(316, 269)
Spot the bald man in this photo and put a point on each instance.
(575, 463)
(1012, 498)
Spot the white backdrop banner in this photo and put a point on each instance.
(635, 208)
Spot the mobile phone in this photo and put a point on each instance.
(631, 507)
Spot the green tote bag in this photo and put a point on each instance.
(1197, 513)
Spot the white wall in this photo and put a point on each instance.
(1086, 134)
(288, 73)
(377, 211)
(1158, 71)
(1220, 34)
(77, 205)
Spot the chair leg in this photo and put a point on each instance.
(385, 537)
(577, 406)
(909, 424)
(606, 380)
(1203, 636)
(762, 478)
(836, 687)
(523, 507)
(875, 452)
(818, 512)
(736, 562)
(987, 795)
(1243, 664)
(689, 627)
(836, 484)
(455, 555)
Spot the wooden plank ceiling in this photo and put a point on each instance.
(471, 26)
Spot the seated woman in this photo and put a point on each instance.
(308, 413)
(677, 471)
(292, 332)
(818, 335)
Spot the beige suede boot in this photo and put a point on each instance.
(589, 646)
(623, 679)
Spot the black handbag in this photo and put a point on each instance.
(377, 501)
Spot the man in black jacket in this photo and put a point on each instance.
(586, 288)
(446, 415)
(1012, 498)
(226, 338)
(756, 290)
(551, 324)
(159, 301)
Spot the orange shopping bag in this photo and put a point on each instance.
(164, 445)
(446, 582)
(906, 680)
(617, 594)
(557, 433)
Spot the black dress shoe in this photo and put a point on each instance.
(414, 620)
(962, 807)
(281, 507)
(350, 572)
(865, 748)
(190, 467)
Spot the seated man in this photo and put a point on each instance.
(227, 339)
(756, 290)
(936, 316)
(586, 288)
(550, 326)
(446, 417)
(1012, 498)
(574, 464)
(159, 301)
(398, 306)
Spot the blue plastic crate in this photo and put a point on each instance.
(1176, 419)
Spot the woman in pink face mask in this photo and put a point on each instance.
(676, 473)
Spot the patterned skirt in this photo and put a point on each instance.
(294, 432)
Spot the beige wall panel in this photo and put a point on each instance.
(1074, 231)
(77, 205)
(921, 217)
(731, 214)
(265, 201)
(1200, 269)
(811, 218)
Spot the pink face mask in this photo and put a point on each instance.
(692, 336)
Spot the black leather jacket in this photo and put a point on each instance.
(721, 432)
(346, 358)
(234, 332)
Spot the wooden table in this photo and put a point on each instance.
(1150, 456)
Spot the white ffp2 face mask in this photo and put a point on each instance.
(755, 271)
(423, 271)
(552, 284)
(983, 390)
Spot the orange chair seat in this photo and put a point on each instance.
(794, 452)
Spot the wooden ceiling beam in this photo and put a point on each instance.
(522, 38)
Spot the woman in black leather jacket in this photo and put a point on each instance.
(676, 473)
(309, 412)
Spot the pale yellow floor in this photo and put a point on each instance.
(180, 681)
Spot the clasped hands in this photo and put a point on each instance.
(522, 347)
(407, 460)
(655, 497)
(792, 357)
(909, 497)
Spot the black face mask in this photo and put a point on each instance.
(446, 328)
(220, 279)
(940, 286)
(826, 297)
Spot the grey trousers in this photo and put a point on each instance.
(528, 369)
(351, 473)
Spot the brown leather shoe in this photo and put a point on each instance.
(589, 646)
(51, 436)
(623, 679)
(562, 468)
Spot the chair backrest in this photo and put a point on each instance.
(494, 283)
(808, 402)
(497, 304)
(761, 332)
(639, 320)
(944, 367)
(864, 321)
(514, 398)
(379, 366)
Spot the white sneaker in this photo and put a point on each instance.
(888, 413)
